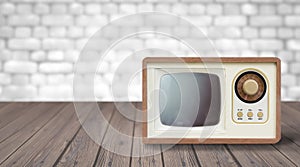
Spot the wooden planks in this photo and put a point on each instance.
(144, 154)
(16, 140)
(37, 143)
(47, 134)
(83, 145)
(214, 155)
(180, 155)
(12, 111)
(118, 139)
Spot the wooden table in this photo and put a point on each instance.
(47, 134)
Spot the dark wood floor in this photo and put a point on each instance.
(49, 134)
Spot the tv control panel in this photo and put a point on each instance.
(250, 97)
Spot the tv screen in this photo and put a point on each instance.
(190, 99)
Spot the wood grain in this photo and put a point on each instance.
(144, 155)
(83, 145)
(18, 139)
(180, 155)
(12, 111)
(117, 139)
(54, 137)
(214, 155)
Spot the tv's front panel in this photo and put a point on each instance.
(241, 116)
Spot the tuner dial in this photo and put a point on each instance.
(250, 87)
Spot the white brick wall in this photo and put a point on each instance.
(40, 41)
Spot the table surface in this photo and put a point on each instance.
(49, 134)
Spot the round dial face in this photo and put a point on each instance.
(250, 87)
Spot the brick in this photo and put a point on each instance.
(221, 32)
(109, 8)
(58, 92)
(24, 9)
(57, 32)
(38, 79)
(267, 54)
(181, 31)
(233, 1)
(57, 20)
(72, 55)
(267, 9)
(55, 56)
(230, 21)
(297, 33)
(284, 9)
(20, 79)
(76, 9)
(284, 67)
(292, 21)
(162, 7)
(5, 79)
(289, 80)
(266, 21)
(294, 92)
(41, 8)
(179, 8)
(2, 44)
(195, 9)
(249, 53)
(294, 68)
(75, 32)
(90, 31)
(92, 9)
(59, 67)
(101, 90)
(3, 21)
(214, 9)
(293, 44)
(55, 79)
(266, 1)
(38, 56)
(23, 20)
(127, 8)
(26, 43)
(226, 44)
(40, 32)
(57, 44)
(231, 9)
(5, 54)
(297, 9)
(250, 32)
(20, 55)
(20, 67)
(22, 32)
(97, 20)
(145, 8)
(19, 92)
(266, 45)
(285, 33)
(7, 8)
(59, 9)
(286, 56)
(200, 20)
(6, 32)
(268, 32)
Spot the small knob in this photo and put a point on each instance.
(250, 114)
(260, 114)
(239, 114)
(250, 87)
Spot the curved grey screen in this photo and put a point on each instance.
(190, 99)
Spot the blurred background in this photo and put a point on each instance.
(41, 40)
